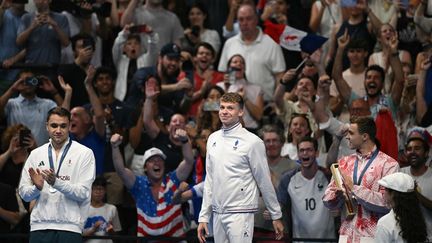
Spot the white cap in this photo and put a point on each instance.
(153, 152)
(398, 181)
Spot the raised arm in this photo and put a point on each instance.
(185, 167)
(151, 94)
(229, 23)
(23, 36)
(128, 14)
(68, 92)
(288, 79)
(46, 85)
(61, 29)
(99, 115)
(16, 87)
(341, 84)
(316, 15)
(421, 105)
(125, 174)
(396, 65)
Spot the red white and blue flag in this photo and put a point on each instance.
(293, 39)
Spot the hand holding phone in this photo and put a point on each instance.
(140, 29)
(23, 135)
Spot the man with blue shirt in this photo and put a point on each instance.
(10, 53)
(28, 109)
(42, 34)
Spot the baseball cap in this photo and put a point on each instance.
(170, 50)
(398, 181)
(153, 152)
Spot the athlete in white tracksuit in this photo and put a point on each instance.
(237, 171)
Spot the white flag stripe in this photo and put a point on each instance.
(291, 37)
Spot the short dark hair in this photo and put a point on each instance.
(295, 115)
(134, 36)
(366, 124)
(207, 46)
(203, 8)
(26, 70)
(60, 111)
(358, 44)
(82, 36)
(308, 139)
(233, 98)
(425, 144)
(105, 70)
(270, 128)
(99, 181)
(376, 68)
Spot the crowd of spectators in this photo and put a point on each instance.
(152, 72)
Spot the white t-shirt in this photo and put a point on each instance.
(108, 214)
(388, 229)
(264, 59)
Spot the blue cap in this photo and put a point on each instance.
(171, 50)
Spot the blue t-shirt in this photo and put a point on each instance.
(43, 44)
(8, 35)
(97, 144)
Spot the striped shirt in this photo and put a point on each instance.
(159, 217)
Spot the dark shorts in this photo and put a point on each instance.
(54, 236)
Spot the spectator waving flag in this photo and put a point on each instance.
(293, 39)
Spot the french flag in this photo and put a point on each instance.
(293, 39)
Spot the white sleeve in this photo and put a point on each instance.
(81, 190)
(27, 190)
(261, 173)
(117, 50)
(206, 209)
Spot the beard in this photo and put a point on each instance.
(166, 73)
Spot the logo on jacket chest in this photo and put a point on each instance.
(236, 145)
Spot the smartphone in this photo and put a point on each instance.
(139, 29)
(87, 43)
(23, 134)
(348, 3)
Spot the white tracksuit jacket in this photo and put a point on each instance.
(66, 208)
(237, 171)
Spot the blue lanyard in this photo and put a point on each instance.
(61, 158)
(357, 182)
